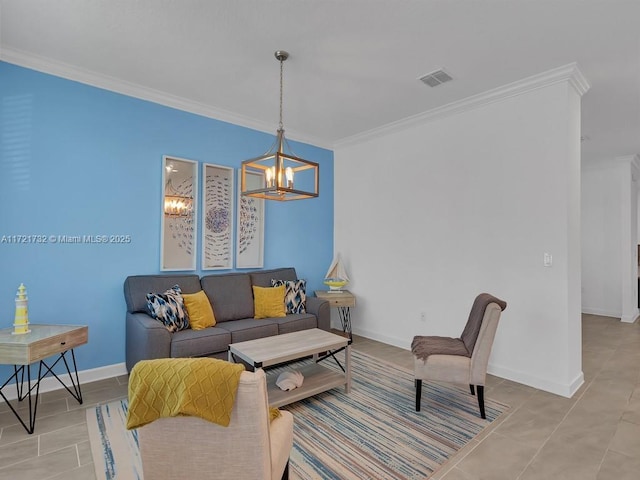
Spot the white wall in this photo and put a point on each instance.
(429, 216)
(609, 238)
(602, 239)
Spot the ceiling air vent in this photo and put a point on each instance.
(434, 79)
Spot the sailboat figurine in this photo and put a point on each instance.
(336, 276)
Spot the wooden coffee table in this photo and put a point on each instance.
(267, 351)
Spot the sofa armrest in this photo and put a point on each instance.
(321, 309)
(146, 339)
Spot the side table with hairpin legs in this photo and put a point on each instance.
(41, 342)
(343, 300)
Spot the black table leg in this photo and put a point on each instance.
(75, 382)
(33, 405)
(18, 375)
(345, 320)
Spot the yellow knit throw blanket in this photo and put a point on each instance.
(168, 387)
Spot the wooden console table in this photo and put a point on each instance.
(43, 341)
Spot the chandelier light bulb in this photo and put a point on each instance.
(289, 174)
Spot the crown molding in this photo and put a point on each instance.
(113, 84)
(608, 163)
(627, 158)
(600, 164)
(632, 160)
(570, 73)
(577, 80)
(566, 73)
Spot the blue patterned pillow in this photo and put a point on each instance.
(168, 308)
(295, 295)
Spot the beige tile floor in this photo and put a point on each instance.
(594, 435)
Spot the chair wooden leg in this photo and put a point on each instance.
(481, 400)
(418, 393)
(473, 390)
(285, 474)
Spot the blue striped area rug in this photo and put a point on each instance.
(373, 432)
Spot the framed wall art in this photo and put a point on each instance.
(250, 236)
(217, 217)
(179, 223)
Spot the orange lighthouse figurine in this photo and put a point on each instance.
(21, 321)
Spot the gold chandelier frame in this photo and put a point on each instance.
(280, 166)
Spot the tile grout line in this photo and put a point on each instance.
(563, 419)
(619, 420)
(78, 455)
(555, 430)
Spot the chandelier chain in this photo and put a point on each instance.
(281, 125)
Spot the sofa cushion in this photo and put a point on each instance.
(136, 288)
(230, 295)
(295, 294)
(263, 278)
(168, 308)
(199, 310)
(199, 343)
(250, 329)
(268, 302)
(296, 322)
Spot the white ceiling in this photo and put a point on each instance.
(354, 64)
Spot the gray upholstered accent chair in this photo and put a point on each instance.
(250, 448)
(460, 360)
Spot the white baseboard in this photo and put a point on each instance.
(49, 383)
(565, 390)
(396, 342)
(576, 384)
(630, 318)
(601, 312)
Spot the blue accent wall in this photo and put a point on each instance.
(79, 160)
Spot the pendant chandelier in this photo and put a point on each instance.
(283, 176)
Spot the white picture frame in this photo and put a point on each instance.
(250, 225)
(217, 217)
(179, 224)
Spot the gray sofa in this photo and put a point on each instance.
(231, 297)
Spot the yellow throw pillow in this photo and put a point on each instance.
(199, 310)
(268, 302)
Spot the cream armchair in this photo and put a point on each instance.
(250, 448)
(460, 360)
